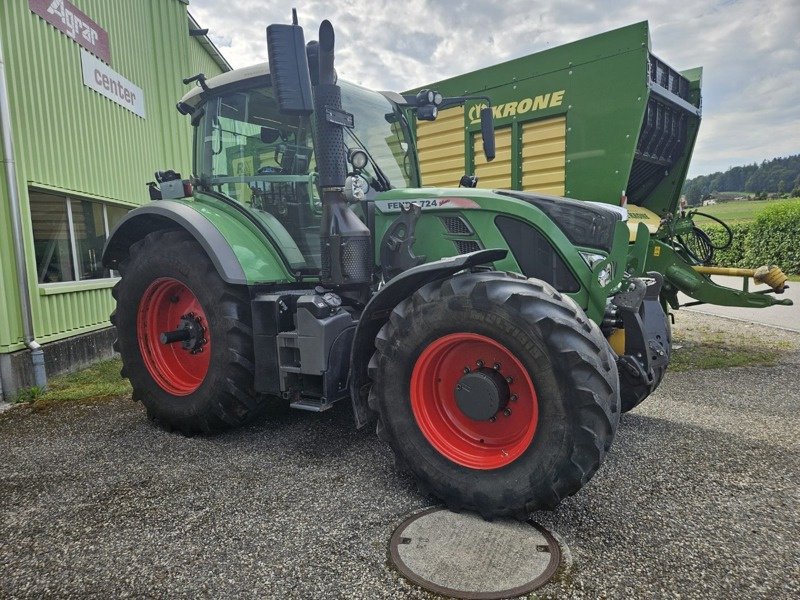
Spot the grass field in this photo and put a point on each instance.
(742, 211)
(98, 382)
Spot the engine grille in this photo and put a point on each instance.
(355, 260)
(456, 225)
(466, 246)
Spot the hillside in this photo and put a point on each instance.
(778, 175)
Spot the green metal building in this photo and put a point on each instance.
(87, 92)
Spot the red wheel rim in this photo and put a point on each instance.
(176, 369)
(463, 440)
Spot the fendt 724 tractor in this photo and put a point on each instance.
(307, 266)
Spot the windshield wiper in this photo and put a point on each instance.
(380, 176)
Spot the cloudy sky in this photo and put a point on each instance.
(749, 49)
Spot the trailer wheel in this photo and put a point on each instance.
(497, 393)
(184, 336)
(633, 393)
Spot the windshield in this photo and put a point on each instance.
(382, 129)
(243, 137)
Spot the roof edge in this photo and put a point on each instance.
(209, 46)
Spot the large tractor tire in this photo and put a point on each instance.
(497, 393)
(633, 393)
(203, 382)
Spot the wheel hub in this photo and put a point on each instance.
(178, 368)
(474, 400)
(480, 394)
(190, 333)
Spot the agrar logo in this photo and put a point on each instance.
(70, 20)
(519, 107)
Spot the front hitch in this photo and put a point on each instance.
(695, 281)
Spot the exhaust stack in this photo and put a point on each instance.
(345, 241)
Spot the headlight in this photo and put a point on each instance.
(358, 158)
(604, 275)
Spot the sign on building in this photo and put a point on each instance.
(102, 78)
(72, 21)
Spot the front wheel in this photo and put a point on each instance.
(184, 336)
(497, 393)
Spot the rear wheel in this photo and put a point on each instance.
(184, 336)
(497, 393)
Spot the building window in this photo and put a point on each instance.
(69, 234)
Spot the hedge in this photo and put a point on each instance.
(773, 238)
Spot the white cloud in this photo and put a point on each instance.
(749, 49)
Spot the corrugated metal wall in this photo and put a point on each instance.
(543, 155)
(69, 138)
(9, 312)
(495, 174)
(440, 147)
(530, 155)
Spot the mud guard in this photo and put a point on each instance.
(168, 214)
(380, 307)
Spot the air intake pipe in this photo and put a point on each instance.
(345, 241)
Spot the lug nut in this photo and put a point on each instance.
(496, 366)
(492, 419)
(466, 370)
(514, 397)
(479, 363)
(509, 379)
(507, 412)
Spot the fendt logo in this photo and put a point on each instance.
(519, 107)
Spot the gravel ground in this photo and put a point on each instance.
(699, 498)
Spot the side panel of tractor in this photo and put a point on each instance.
(460, 221)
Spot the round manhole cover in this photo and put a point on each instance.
(461, 555)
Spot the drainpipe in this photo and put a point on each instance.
(37, 354)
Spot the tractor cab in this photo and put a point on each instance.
(248, 150)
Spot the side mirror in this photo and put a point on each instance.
(288, 67)
(487, 133)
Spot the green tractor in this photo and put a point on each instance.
(306, 265)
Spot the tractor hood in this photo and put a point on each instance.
(589, 224)
(584, 223)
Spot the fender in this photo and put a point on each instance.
(252, 259)
(378, 309)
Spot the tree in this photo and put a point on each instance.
(694, 191)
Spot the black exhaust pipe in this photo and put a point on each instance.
(345, 241)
